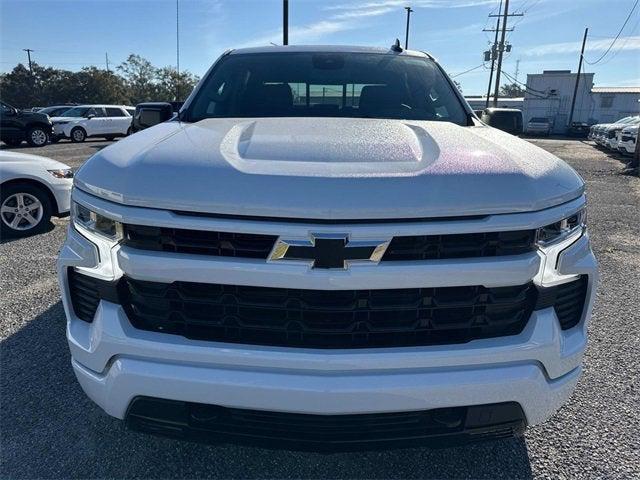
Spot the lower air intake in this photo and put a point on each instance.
(294, 431)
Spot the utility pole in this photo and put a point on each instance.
(500, 48)
(500, 51)
(177, 37)
(493, 55)
(285, 22)
(28, 50)
(517, 70)
(406, 38)
(177, 94)
(106, 59)
(575, 87)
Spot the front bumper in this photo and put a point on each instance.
(116, 363)
(628, 146)
(61, 130)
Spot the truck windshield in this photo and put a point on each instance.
(311, 84)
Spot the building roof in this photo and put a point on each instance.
(615, 90)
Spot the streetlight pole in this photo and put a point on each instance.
(406, 38)
(285, 22)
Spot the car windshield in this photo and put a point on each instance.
(76, 112)
(309, 84)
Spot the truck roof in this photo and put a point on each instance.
(327, 49)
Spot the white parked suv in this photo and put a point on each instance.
(108, 121)
(327, 250)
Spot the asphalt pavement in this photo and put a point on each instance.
(50, 429)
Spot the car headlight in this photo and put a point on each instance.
(558, 231)
(60, 123)
(62, 173)
(95, 223)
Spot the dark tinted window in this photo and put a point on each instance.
(114, 112)
(327, 84)
(509, 121)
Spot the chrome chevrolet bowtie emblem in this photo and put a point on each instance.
(328, 251)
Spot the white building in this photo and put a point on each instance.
(548, 94)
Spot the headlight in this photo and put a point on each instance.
(62, 173)
(566, 227)
(95, 223)
(60, 123)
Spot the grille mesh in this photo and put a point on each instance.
(431, 247)
(327, 319)
(224, 244)
(85, 295)
(569, 303)
(421, 247)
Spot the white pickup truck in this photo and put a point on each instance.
(327, 249)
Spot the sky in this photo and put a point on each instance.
(71, 34)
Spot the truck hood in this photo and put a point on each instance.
(330, 168)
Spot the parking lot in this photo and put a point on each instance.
(51, 429)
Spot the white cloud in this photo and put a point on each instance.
(352, 16)
(393, 4)
(623, 43)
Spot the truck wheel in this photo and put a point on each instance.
(25, 209)
(37, 137)
(78, 135)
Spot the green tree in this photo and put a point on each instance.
(94, 85)
(173, 85)
(511, 90)
(18, 87)
(139, 76)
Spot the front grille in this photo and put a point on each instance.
(244, 245)
(84, 295)
(327, 319)
(467, 245)
(567, 299)
(217, 424)
(570, 302)
(202, 242)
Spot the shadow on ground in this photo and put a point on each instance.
(10, 238)
(51, 430)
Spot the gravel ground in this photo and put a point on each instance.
(50, 429)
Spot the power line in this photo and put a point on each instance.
(617, 36)
(528, 89)
(467, 71)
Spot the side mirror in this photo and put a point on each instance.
(90, 116)
(148, 115)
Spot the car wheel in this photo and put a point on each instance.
(13, 142)
(78, 135)
(37, 137)
(24, 210)
(110, 137)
